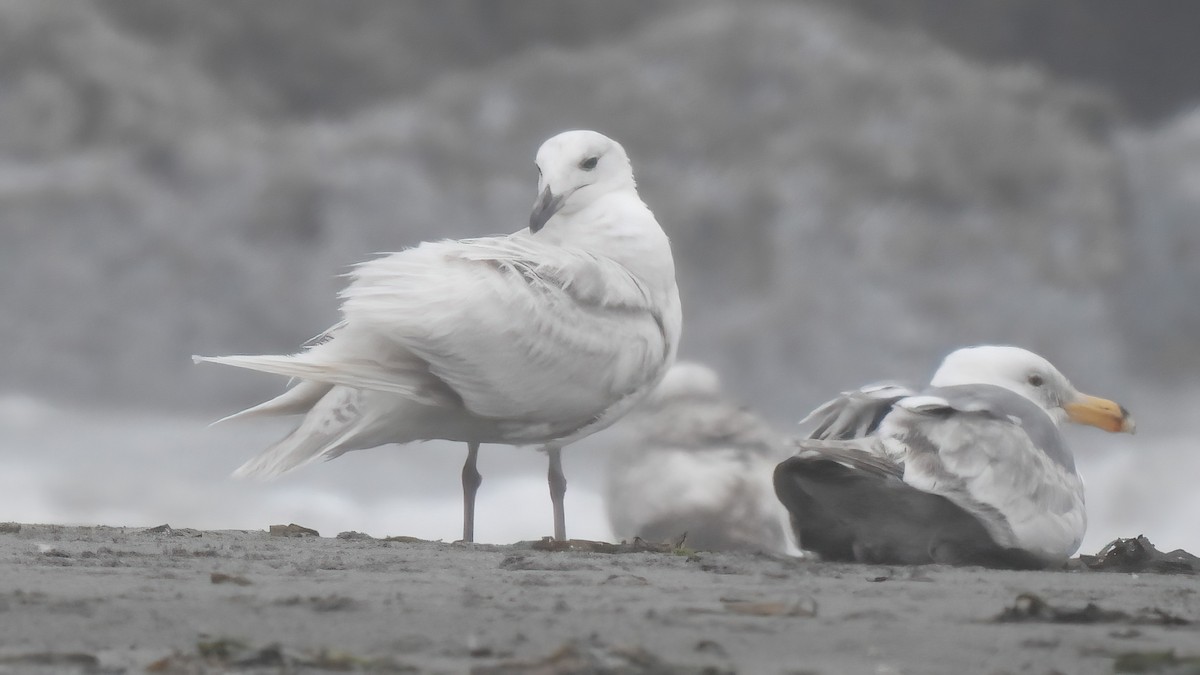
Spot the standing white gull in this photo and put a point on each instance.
(543, 336)
(972, 470)
(696, 464)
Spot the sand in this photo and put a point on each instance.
(110, 600)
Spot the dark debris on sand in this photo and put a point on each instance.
(222, 578)
(1135, 555)
(1161, 663)
(1031, 608)
(292, 530)
(166, 529)
(596, 658)
(638, 545)
(230, 654)
(67, 661)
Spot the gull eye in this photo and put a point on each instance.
(539, 170)
(589, 163)
(1035, 380)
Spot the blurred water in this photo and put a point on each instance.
(1139, 485)
(127, 468)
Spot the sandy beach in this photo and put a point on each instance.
(113, 600)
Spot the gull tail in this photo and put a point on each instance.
(350, 373)
(330, 428)
(299, 399)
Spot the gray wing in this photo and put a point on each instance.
(997, 455)
(1000, 403)
(845, 428)
(857, 413)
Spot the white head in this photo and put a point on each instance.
(1035, 378)
(574, 168)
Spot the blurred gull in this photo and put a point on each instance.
(543, 336)
(972, 470)
(697, 465)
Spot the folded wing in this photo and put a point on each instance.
(518, 329)
(991, 452)
(857, 413)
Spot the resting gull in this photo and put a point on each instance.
(543, 336)
(971, 470)
(696, 465)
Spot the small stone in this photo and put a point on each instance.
(221, 578)
(293, 530)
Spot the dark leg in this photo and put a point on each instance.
(558, 488)
(471, 480)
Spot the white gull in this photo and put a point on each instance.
(540, 337)
(971, 470)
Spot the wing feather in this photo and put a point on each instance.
(545, 322)
(856, 413)
(860, 454)
(982, 458)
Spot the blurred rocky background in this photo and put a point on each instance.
(852, 187)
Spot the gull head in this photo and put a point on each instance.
(574, 168)
(1035, 378)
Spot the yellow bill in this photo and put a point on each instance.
(1099, 412)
